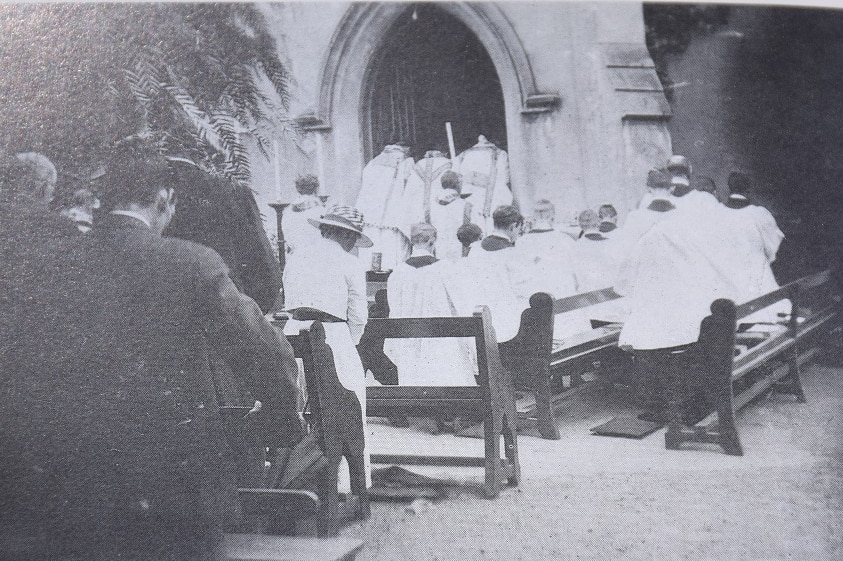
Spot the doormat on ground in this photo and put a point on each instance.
(626, 427)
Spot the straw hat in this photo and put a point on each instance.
(347, 218)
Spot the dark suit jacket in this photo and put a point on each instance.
(111, 431)
(225, 217)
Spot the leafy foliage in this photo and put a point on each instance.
(198, 79)
(669, 29)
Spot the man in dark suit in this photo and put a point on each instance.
(111, 437)
(507, 222)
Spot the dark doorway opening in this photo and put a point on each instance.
(431, 69)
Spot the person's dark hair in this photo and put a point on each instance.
(467, 234)
(506, 216)
(607, 211)
(705, 184)
(307, 184)
(452, 180)
(136, 172)
(739, 183)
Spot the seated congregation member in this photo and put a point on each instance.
(448, 214)
(111, 434)
(299, 235)
(418, 289)
(608, 218)
(547, 254)
(469, 235)
(328, 283)
(223, 215)
(670, 278)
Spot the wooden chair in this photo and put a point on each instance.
(492, 399)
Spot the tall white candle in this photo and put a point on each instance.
(276, 152)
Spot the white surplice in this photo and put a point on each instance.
(421, 292)
(424, 186)
(485, 178)
(381, 201)
(673, 274)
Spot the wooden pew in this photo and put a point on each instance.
(492, 399)
(335, 416)
(335, 429)
(772, 362)
(534, 358)
(300, 496)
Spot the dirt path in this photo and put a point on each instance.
(588, 497)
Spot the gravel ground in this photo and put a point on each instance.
(589, 497)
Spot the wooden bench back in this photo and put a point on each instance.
(478, 326)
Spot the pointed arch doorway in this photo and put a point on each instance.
(429, 69)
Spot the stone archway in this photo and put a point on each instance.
(342, 95)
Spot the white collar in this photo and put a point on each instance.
(132, 214)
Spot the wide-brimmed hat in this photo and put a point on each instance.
(347, 218)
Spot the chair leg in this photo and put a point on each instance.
(329, 503)
(492, 432)
(357, 472)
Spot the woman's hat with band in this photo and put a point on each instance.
(347, 218)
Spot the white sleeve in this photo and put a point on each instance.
(358, 309)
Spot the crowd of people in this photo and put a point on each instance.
(120, 342)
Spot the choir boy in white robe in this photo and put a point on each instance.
(548, 254)
(417, 288)
(469, 235)
(328, 283)
(449, 212)
(485, 171)
(492, 275)
(596, 259)
(381, 201)
(670, 278)
(661, 204)
(760, 237)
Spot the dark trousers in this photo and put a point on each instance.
(671, 384)
(658, 372)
